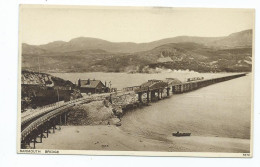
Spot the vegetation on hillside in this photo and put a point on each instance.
(217, 54)
(37, 90)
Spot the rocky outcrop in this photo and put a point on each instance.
(93, 113)
(102, 112)
(39, 89)
(35, 78)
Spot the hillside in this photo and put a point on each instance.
(37, 89)
(204, 54)
(183, 56)
(239, 39)
(190, 56)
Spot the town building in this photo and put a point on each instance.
(92, 86)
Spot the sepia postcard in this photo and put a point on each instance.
(148, 81)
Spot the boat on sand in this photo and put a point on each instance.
(178, 134)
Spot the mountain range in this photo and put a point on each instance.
(203, 54)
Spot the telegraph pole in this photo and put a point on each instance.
(110, 85)
(58, 94)
(38, 64)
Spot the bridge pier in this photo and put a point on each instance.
(41, 135)
(47, 129)
(140, 94)
(168, 91)
(158, 93)
(54, 125)
(152, 95)
(34, 141)
(148, 99)
(25, 143)
(65, 119)
(173, 89)
(60, 123)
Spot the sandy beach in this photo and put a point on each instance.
(104, 137)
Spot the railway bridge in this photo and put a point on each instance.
(45, 120)
(153, 89)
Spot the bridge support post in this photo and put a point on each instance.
(161, 93)
(140, 97)
(47, 128)
(41, 135)
(23, 144)
(60, 121)
(158, 93)
(65, 118)
(152, 95)
(148, 99)
(168, 91)
(173, 89)
(54, 125)
(34, 141)
(27, 142)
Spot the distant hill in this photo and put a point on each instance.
(204, 54)
(240, 39)
(182, 56)
(32, 49)
(235, 40)
(197, 57)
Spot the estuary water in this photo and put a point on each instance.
(219, 110)
(121, 80)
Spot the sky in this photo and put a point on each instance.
(44, 24)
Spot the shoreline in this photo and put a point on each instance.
(112, 138)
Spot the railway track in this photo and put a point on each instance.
(31, 123)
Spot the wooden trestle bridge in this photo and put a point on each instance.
(38, 125)
(153, 89)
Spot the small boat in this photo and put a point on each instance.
(178, 134)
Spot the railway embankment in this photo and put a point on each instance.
(104, 110)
